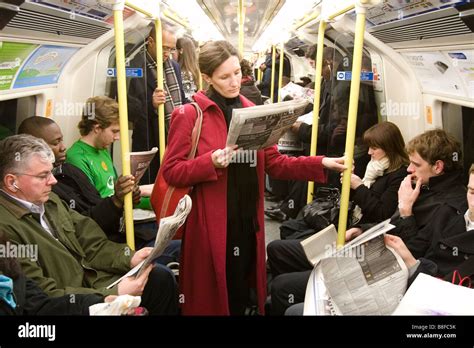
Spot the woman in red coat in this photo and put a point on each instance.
(223, 251)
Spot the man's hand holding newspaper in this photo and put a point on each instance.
(167, 229)
(365, 277)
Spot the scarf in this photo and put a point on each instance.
(6, 290)
(170, 85)
(373, 170)
(242, 180)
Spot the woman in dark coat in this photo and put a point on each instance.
(223, 252)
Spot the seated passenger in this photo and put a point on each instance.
(75, 188)
(75, 256)
(435, 166)
(20, 295)
(375, 195)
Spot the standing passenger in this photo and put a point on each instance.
(224, 246)
(187, 59)
(143, 101)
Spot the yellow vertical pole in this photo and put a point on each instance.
(122, 101)
(272, 86)
(159, 77)
(259, 72)
(351, 123)
(317, 94)
(241, 20)
(280, 75)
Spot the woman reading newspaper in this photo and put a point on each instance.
(223, 253)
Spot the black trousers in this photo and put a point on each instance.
(160, 296)
(240, 260)
(291, 270)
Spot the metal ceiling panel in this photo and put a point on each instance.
(258, 15)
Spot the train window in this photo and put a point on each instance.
(337, 67)
(13, 112)
(458, 121)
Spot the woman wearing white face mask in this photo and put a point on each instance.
(376, 193)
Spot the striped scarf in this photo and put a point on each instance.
(170, 84)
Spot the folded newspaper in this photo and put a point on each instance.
(140, 161)
(166, 231)
(365, 277)
(261, 126)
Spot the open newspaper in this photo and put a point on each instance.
(258, 127)
(140, 161)
(297, 92)
(166, 231)
(365, 277)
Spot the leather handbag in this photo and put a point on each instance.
(164, 197)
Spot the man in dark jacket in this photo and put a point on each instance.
(143, 100)
(445, 247)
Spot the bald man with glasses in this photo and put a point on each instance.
(144, 97)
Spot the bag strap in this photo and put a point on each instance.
(196, 134)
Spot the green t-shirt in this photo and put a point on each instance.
(96, 164)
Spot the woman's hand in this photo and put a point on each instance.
(221, 158)
(336, 164)
(355, 181)
(397, 244)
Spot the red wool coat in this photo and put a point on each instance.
(203, 257)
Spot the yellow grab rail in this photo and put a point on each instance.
(241, 20)
(160, 85)
(122, 101)
(351, 124)
(317, 94)
(272, 86)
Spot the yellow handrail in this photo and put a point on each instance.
(122, 101)
(176, 19)
(317, 94)
(342, 11)
(280, 75)
(138, 9)
(241, 20)
(160, 85)
(351, 125)
(272, 86)
(306, 20)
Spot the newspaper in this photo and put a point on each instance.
(297, 92)
(423, 298)
(363, 278)
(261, 126)
(167, 229)
(140, 161)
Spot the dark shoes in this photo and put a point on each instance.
(276, 214)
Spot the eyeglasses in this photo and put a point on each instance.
(169, 49)
(42, 177)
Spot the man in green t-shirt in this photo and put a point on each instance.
(99, 128)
